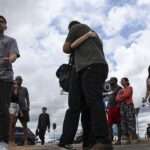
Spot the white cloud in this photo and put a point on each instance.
(143, 2)
(40, 28)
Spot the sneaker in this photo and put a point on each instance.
(3, 146)
(100, 146)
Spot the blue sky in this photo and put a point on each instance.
(40, 28)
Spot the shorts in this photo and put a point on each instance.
(14, 109)
(113, 115)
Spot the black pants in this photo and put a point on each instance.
(42, 132)
(5, 94)
(72, 115)
(92, 81)
(85, 97)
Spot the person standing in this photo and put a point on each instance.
(24, 104)
(43, 125)
(127, 112)
(113, 109)
(147, 95)
(13, 112)
(8, 54)
(92, 68)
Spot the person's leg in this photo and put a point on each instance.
(124, 125)
(93, 79)
(42, 135)
(72, 115)
(88, 137)
(12, 129)
(5, 93)
(131, 121)
(24, 125)
(119, 133)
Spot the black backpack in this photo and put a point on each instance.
(63, 73)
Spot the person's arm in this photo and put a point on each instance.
(118, 96)
(147, 88)
(27, 98)
(13, 52)
(70, 38)
(82, 39)
(67, 48)
(125, 94)
(38, 125)
(48, 122)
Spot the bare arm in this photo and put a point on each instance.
(11, 58)
(82, 39)
(67, 47)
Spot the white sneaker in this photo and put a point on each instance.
(3, 146)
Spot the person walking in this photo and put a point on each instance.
(8, 54)
(43, 125)
(24, 103)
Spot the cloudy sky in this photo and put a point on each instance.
(40, 27)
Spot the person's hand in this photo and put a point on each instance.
(10, 59)
(92, 34)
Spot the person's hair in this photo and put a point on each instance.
(72, 23)
(4, 19)
(126, 79)
(114, 79)
(19, 78)
(149, 72)
(44, 108)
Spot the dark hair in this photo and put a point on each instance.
(4, 19)
(19, 78)
(126, 79)
(44, 108)
(73, 23)
(114, 79)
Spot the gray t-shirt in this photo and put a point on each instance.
(90, 51)
(7, 45)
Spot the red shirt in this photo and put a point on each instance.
(125, 95)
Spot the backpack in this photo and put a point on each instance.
(63, 73)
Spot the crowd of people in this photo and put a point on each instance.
(89, 70)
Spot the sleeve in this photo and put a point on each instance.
(13, 47)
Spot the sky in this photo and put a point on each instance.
(40, 28)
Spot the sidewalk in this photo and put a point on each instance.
(78, 147)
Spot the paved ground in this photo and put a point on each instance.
(78, 147)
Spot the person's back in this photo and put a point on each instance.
(23, 98)
(90, 51)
